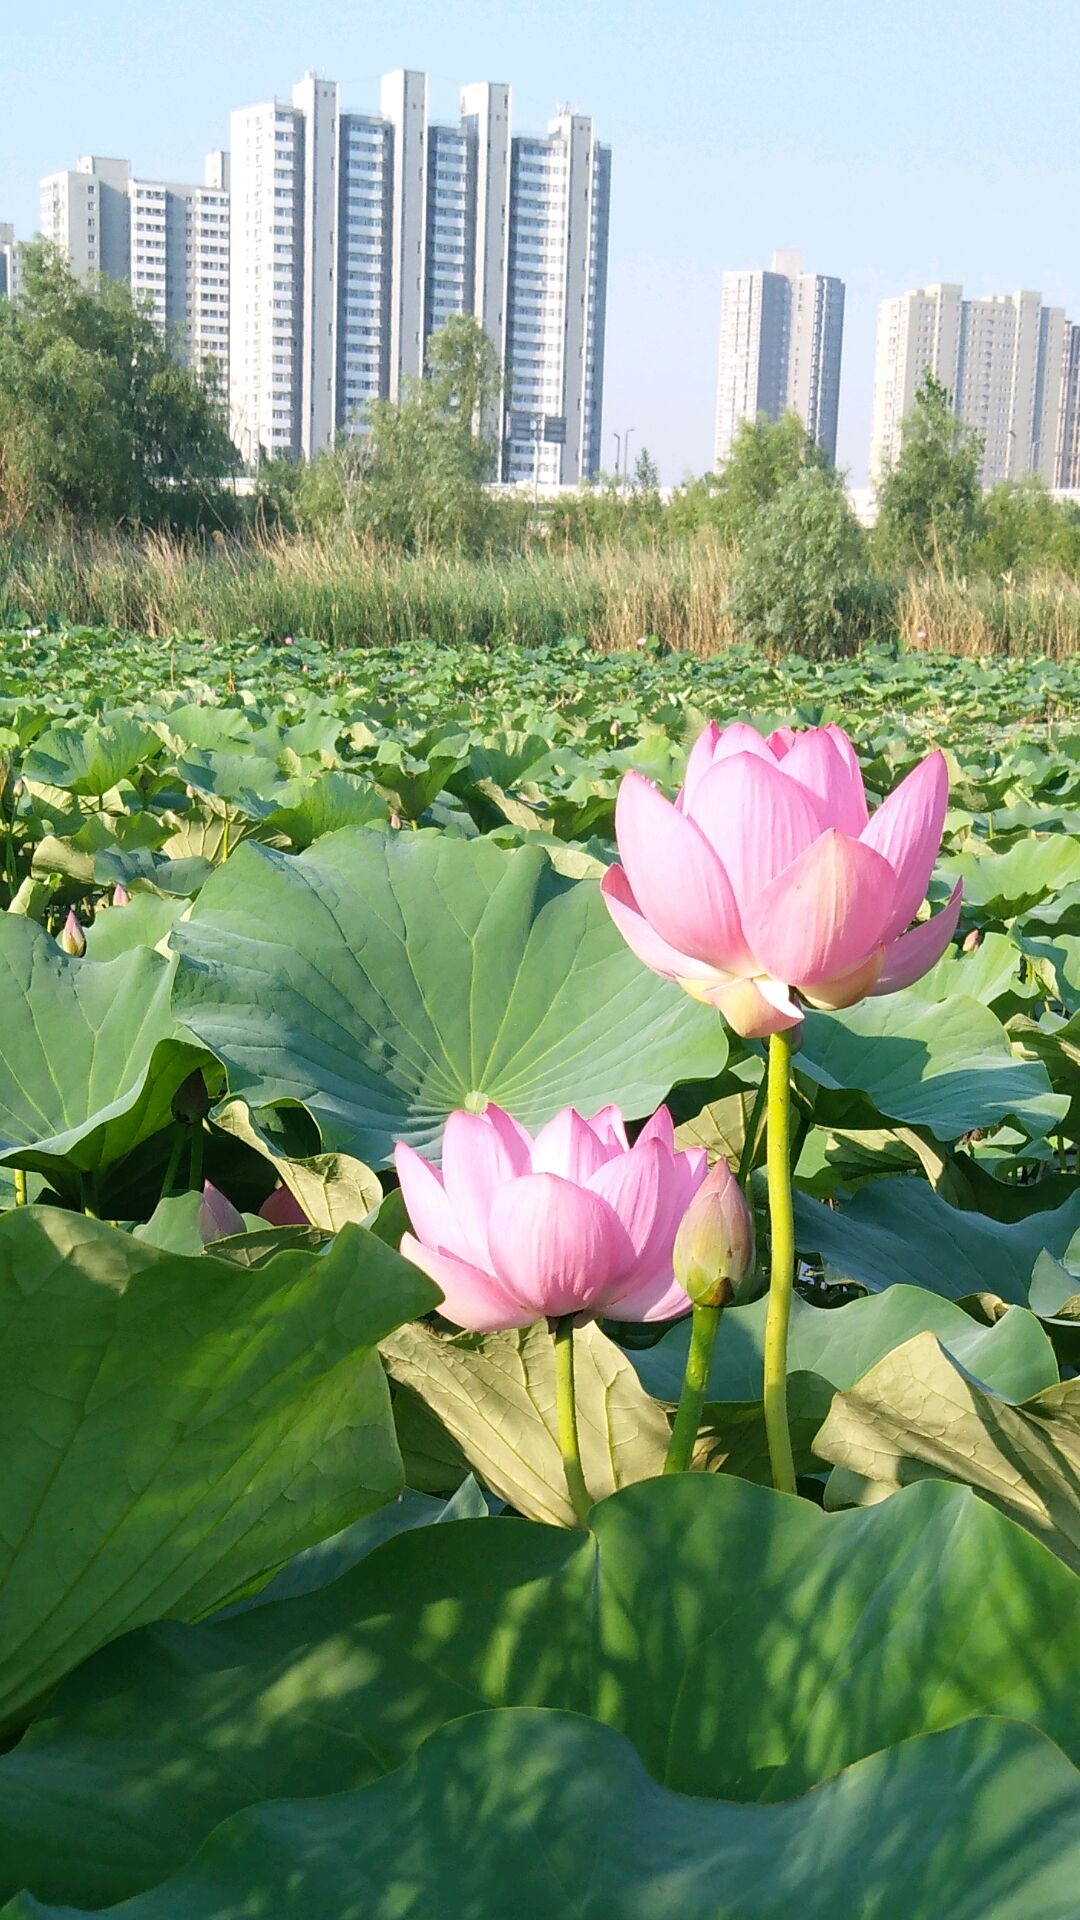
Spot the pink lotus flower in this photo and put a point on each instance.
(574, 1222)
(218, 1218)
(768, 877)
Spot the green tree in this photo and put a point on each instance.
(415, 475)
(766, 456)
(1025, 531)
(98, 421)
(930, 506)
(646, 473)
(802, 580)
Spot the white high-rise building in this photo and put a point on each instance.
(781, 338)
(8, 260)
(1002, 361)
(366, 233)
(169, 242)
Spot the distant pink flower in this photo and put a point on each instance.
(767, 877)
(218, 1218)
(576, 1221)
(282, 1210)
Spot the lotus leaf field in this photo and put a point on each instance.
(300, 1614)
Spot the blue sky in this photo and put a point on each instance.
(894, 141)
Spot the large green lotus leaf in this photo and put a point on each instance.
(918, 1412)
(90, 1053)
(948, 1067)
(989, 974)
(146, 921)
(495, 1395)
(1001, 885)
(900, 1230)
(172, 1428)
(546, 1814)
(840, 1344)
(383, 980)
(748, 1644)
(306, 809)
(90, 758)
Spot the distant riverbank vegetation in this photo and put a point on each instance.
(118, 508)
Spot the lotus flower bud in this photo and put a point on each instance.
(121, 897)
(972, 941)
(714, 1246)
(218, 1218)
(72, 939)
(282, 1209)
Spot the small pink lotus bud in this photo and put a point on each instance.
(714, 1247)
(218, 1218)
(282, 1209)
(72, 939)
(973, 940)
(121, 897)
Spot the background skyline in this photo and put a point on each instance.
(892, 146)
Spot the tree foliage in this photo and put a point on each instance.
(766, 456)
(98, 421)
(412, 474)
(930, 506)
(802, 580)
(1026, 531)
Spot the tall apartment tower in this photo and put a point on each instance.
(1001, 359)
(355, 237)
(169, 242)
(781, 337)
(8, 258)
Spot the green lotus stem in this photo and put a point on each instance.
(20, 1186)
(746, 1157)
(195, 1174)
(175, 1151)
(566, 1411)
(782, 1272)
(703, 1331)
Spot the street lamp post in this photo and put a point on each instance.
(626, 453)
(617, 437)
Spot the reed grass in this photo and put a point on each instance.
(338, 589)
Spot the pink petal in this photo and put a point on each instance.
(908, 958)
(609, 1127)
(283, 1209)
(906, 830)
(554, 1246)
(678, 882)
(661, 1127)
(569, 1147)
(658, 1298)
(650, 1190)
(824, 915)
(470, 1298)
(698, 763)
(427, 1204)
(634, 1186)
(758, 821)
(745, 1007)
(819, 765)
(739, 737)
(643, 939)
(476, 1164)
(844, 989)
(781, 740)
(515, 1138)
(217, 1217)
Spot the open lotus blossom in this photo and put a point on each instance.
(768, 877)
(575, 1221)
